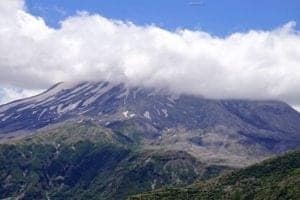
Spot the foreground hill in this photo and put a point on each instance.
(86, 161)
(221, 132)
(277, 178)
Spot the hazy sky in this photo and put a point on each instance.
(215, 49)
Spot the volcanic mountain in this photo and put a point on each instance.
(229, 132)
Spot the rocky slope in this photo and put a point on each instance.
(232, 132)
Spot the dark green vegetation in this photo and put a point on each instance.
(86, 161)
(277, 178)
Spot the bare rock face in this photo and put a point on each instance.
(230, 132)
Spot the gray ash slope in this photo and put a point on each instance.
(234, 132)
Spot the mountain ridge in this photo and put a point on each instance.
(237, 132)
(274, 178)
(83, 160)
(97, 140)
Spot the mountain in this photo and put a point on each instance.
(99, 140)
(83, 160)
(273, 179)
(235, 133)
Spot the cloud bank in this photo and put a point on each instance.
(256, 64)
(8, 94)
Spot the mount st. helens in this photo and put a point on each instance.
(228, 132)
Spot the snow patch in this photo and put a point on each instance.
(25, 108)
(147, 114)
(125, 114)
(52, 107)
(105, 89)
(56, 89)
(123, 94)
(83, 87)
(16, 117)
(90, 100)
(173, 98)
(67, 97)
(99, 91)
(157, 110)
(10, 105)
(153, 185)
(7, 117)
(165, 111)
(131, 115)
(95, 90)
(44, 102)
(41, 114)
(83, 112)
(170, 105)
(70, 107)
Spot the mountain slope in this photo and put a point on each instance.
(277, 178)
(232, 132)
(86, 161)
(98, 140)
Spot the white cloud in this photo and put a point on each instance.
(8, 94)
(256, 64)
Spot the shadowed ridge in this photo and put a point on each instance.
(275, 178)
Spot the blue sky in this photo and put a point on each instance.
(218, 17)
